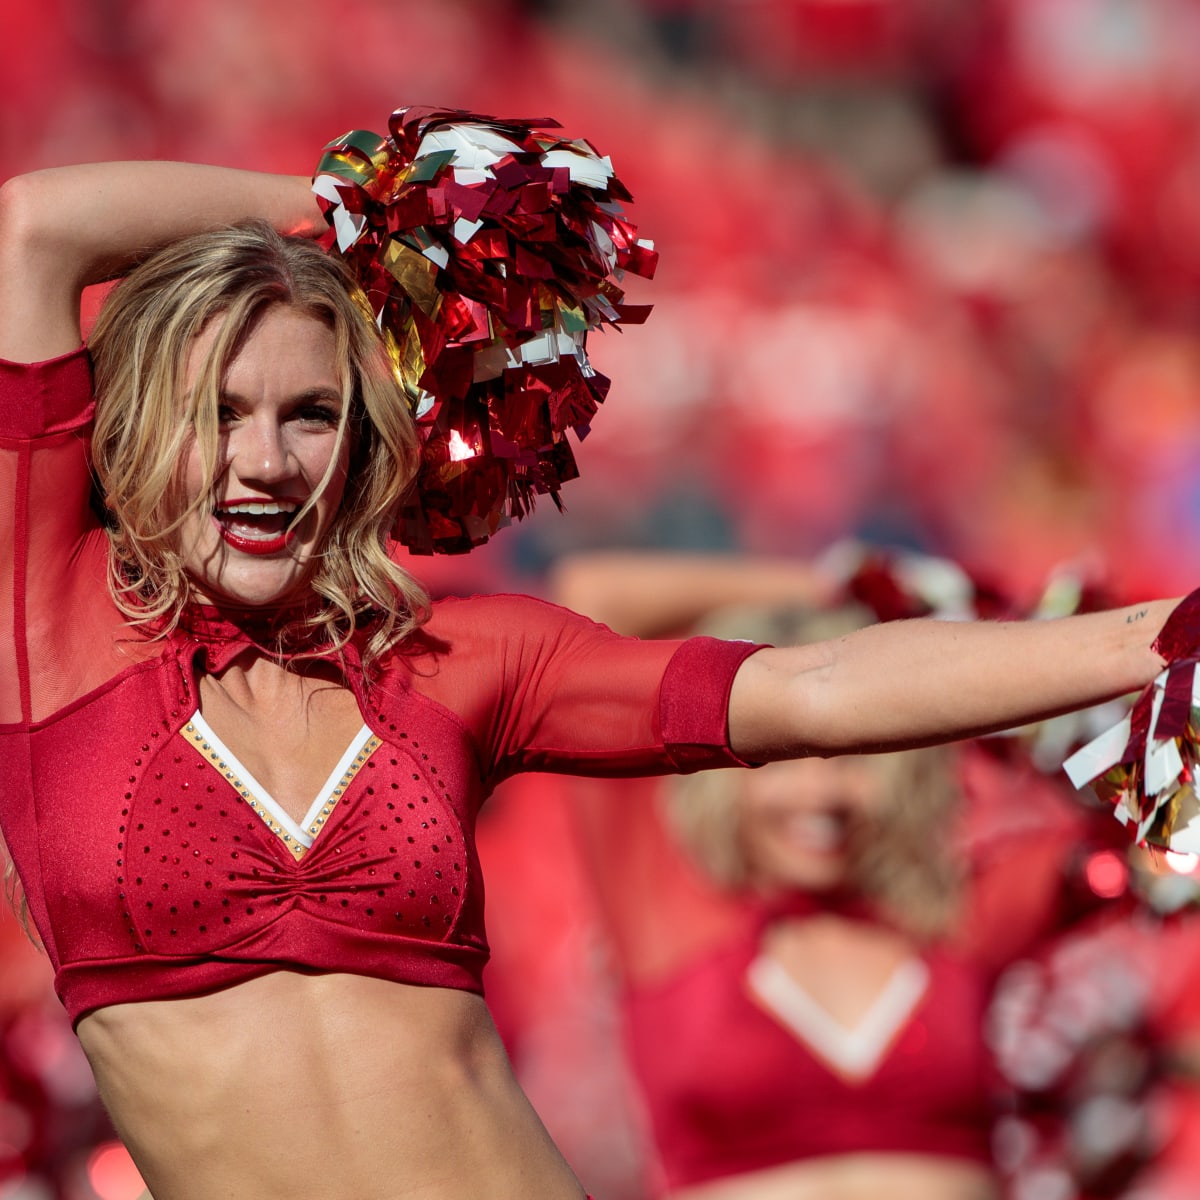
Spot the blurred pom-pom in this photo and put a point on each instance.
(488, 250)
(897, 584)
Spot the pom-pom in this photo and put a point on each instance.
(1146, 765)
(488, 250)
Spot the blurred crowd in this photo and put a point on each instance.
(930, 278)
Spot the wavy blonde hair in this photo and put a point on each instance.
(903, 862)
(146, 419)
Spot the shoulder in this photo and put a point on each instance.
(500, 617)
(502, 631)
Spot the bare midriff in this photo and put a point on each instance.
(856, 1177)
(325, 1087)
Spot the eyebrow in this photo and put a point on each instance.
(304, 397)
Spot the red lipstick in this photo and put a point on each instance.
(255, 545)
(244, 531)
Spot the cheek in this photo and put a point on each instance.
(338, 481)
(756, 844)
(871, 794)
(313, 453)
(193, 480)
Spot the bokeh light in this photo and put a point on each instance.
(112, 1174)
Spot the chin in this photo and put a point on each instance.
(233, 593)
(810, 877)
(227, 577)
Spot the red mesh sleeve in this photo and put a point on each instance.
(557, 692)
(51, 553)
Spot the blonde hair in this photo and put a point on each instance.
(14, 892)
(145, 420)
(903, 865)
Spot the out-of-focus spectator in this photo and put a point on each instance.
(1098, 1034)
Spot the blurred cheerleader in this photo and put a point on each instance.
(807, 951)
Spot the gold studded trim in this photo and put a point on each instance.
(199, 739)
(359, 761)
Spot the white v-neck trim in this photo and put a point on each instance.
(300, 832)
(858, 1051)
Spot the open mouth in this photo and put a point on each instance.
(256, 526)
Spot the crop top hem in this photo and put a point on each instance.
(89, 986)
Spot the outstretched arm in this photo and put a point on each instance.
(911, 683)
(67, 227)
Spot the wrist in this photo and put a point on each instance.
(295, 211)
(1179, 637)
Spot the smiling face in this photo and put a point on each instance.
(279, 416)
(800, 822)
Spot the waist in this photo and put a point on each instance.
(856, 1177)
(320, 1086)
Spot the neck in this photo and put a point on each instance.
(253, 681)
(842, 901)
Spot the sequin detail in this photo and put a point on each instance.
(296, 836)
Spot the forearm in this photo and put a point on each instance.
(915, 682)
(94, 219)
(658, 594)
(65, 228)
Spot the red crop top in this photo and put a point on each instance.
(730, 1089)
(155, 866)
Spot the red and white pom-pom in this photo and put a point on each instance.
(1148, 763)
(488, 249)
(1145, 765)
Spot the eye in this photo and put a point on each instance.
(225, 415)
(324, 416)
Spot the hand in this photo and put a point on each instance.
(1180, 636)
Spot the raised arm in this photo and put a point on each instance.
(909, 683)
(67, 227)
(662, 594)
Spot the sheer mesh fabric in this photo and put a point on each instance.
(557, 676)
(10, 690)
(66, 637)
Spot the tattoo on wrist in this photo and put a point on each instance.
(1141, 614)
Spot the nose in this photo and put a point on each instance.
(843, 780)
(258, 451)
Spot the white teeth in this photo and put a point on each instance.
(255, 509)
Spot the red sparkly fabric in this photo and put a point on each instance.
(148, 873)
